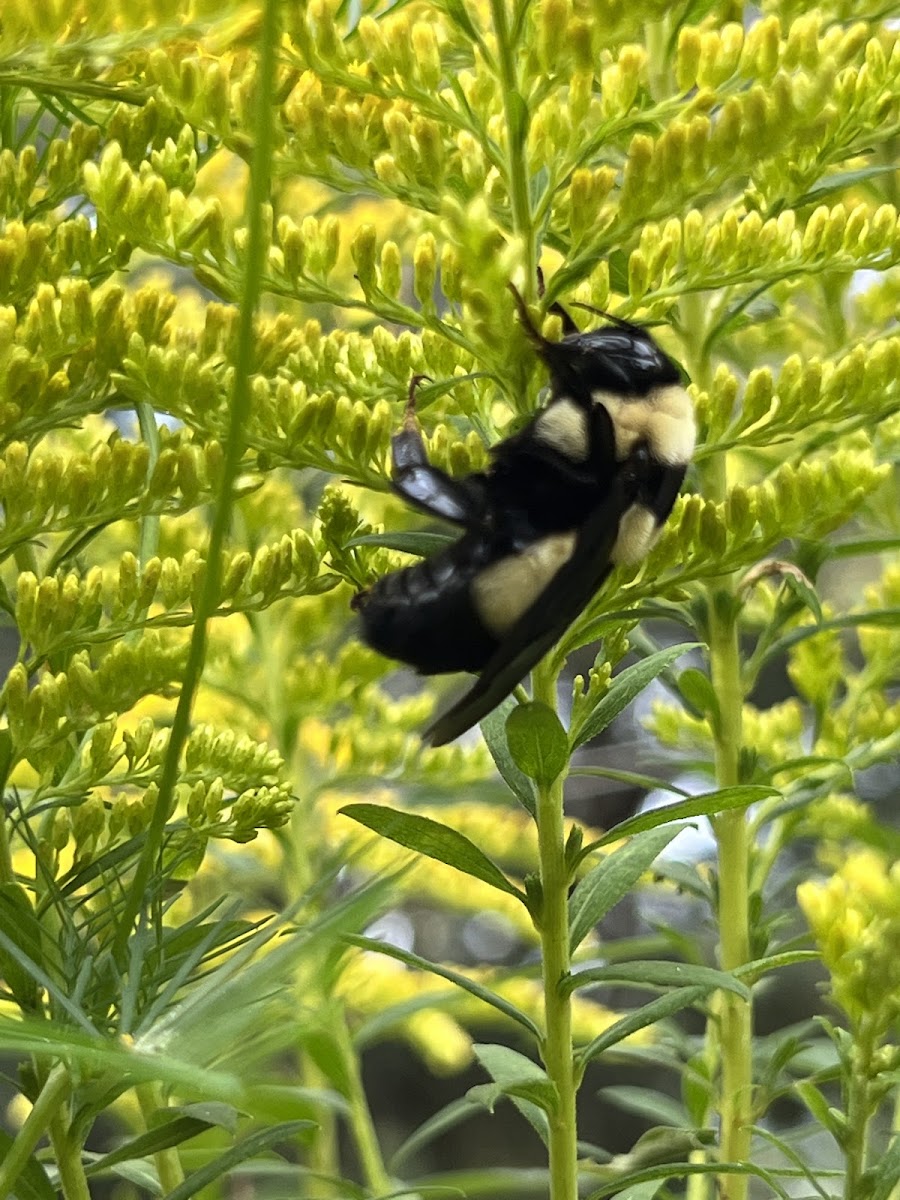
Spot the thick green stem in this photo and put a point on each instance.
(68, 1160)
(260, 174)
(858, 1108)
(895, 1130)
(729, 1040)
(557, 1047)
(7, 873)
(375, 1175)
(52, 1096)
(515, 112)
(168, 1162)
(736, 1021)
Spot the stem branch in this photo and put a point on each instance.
(554, 931)
(53, 1094)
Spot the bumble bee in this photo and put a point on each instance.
(585, 485)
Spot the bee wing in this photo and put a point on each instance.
(545, 621)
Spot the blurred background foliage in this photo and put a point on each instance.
(725, 173)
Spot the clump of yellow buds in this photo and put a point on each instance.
(855, 920)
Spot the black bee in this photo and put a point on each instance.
(585, 485)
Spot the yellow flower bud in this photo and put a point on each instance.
(391, 269)
(425, 269)
(426, 56)
(363, 253)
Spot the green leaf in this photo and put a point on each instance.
(626, 686)
(820, 1109)
(805, 593)
(428, 393)
(635, 779)
(24, 930)
(647, 1103)
(648, 1014)
(522, 1080)
(696, 687)
(486, 1095)
(493, 729)
(419, 543)
(886, 1173)
(680, 1170)
(6, 754)
(537, 742)
(432, 839)
(451, 1115)
(517, 1075)
(248, 1148)
(641, 1191)
(857, 546)
(611, 879)
(841, 182)
(171, 1133)
(31, 1182)
(774, 962)
(705, 805)
(658, 974)
(792, 1156)
(324, 1050)
(469, 985)
(874, 618)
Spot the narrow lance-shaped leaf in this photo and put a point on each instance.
(462, 981)
(705, 805)
(172, 1133)
(432, 839)
(247, 1148)
(648, 1014)
(657, 974)
(611, 879)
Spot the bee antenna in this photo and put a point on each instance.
(534, 334)
(620, 321)
(411, 394)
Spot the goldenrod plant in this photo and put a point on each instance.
(231, 234)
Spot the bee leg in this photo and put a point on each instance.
(428, 487)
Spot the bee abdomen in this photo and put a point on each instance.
(424, 616)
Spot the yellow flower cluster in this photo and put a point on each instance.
(855, 920)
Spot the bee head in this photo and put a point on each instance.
(622, 358)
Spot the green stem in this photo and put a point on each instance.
(895, 1130)
(735, 1026)
(260, 175)
(149, 537)
(557, 1047)
(377, 1180)
(732, 834)
(68, 1160)
(859, 1113)
(695, 319)
(515, 111)
(168, 1162)
(729, 1036)
(7, 873)
(53, 1094)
